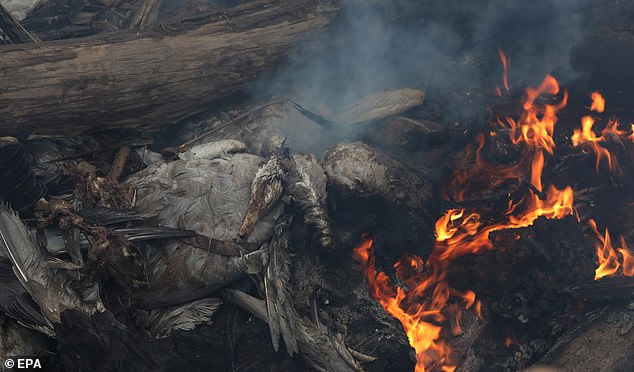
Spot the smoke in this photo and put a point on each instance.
(447, 48)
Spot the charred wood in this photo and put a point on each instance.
(380, 105)
(531, 309)
(606, 289)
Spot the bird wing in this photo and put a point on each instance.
(184, 317)
(280, 308)
(16, 302)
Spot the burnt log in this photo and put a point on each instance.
(606, 289)
(150, 79)
(526, 303)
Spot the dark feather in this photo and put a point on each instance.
(143, 233)
(279, 302)
(101, 343)
(107, 216)
(183, 317)
(50, 288)
(16, 302)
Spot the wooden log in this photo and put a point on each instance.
(147, 80)
(607, 289)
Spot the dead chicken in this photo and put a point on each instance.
(267, 186)
(307, 188)
(16, 303)
(322, 348)
(54, 290)
(209, 196)
(372, 192)
(177, 271)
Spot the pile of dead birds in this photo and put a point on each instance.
(149, 246)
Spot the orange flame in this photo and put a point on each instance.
(505, 73)
(532, 129)
(598, 102)
(611, 259)
(586, 135)
(430, 309)
(422, 308)
(610, 133)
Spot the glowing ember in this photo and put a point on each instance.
(430, 309)
(611, 259)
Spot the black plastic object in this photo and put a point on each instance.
(18, 185)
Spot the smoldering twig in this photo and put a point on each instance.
(118, 164)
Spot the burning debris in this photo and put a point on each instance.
(361, 231)
(427, 302)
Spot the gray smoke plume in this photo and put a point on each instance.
(447, 48)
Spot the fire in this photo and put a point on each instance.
(598, 144)
(611, 259)
(421, 309)
(429, 308)
(532, 129)
(505, 73)
(598, 102)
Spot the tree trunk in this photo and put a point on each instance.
(146, 80)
